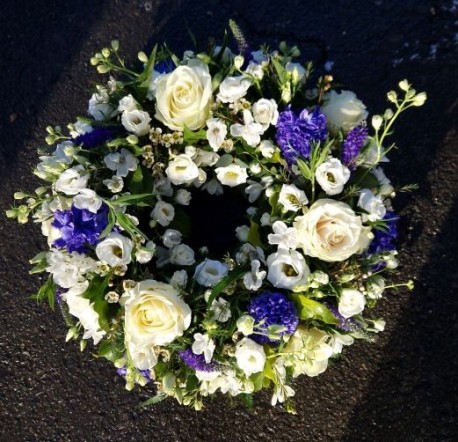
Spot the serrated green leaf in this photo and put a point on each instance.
(311, 309)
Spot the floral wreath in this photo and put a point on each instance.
(221, 222)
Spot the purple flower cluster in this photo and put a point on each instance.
(296, 133)
(197, 362)
(273, 308)
(79, 227)
(352, 146)
(145, 373)
(345, 324)
(96, 137)
(384, 240)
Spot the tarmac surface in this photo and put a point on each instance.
(403, 387)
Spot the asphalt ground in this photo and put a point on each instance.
(404, 386)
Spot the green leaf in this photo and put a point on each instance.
(144, 77)
(229, 279)
(144, 199)
(305, 169)
(254, 237)
(38, 258)
(364, 179)
(41, 267)
(154, 400)
(224, 161)
(135, 183)
(127, 224)
(46, 291)
(111, 222)
(191, 136)
(310, 309)
(102, 307)
(281, 71)
(110, 350)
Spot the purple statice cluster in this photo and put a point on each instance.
(297, 132)
(352, 146)
(272, 308)
(95, 138)
(197, 362)
(384, 240)
(344, 324)
(79, 227)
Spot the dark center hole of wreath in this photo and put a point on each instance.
(213, 220)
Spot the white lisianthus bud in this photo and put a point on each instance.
(127, 104)
(242, 233)
(182, 255)
(179, 279)
(419, 99)
(146, 253)
(250, 356)
(183, 197)
(253, 190)
(245, 325)
(351, 303)
(209, 272)
(392, 96)
(292, 198)
(136, 121)
(255, 70)
(238, 61)
(231, 175)
(377, 121)
(163, 213)
(115, 250)
(182, 170)
(332, 176)
(297, 71)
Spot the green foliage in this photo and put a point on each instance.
(311, 309)
(46, 291)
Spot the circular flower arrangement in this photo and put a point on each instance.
(220, 222)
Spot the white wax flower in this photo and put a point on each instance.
(292, 198)
(253, 279)
(87, 199)
(351, 302)
(121, 162)
(155, 314)
(344, 111)
(163, 213)
(136, 121)
(233, 88)
(182, 170)
(284, 236)
(182, 255)
(231, 175)
(332, 176)
(250, 356)
(265, 112)
(209, 272)
(203, 344)
(373, 204)
(115, 250)
(216, 133)
(287, 269)
(72, 181)
(250, 131)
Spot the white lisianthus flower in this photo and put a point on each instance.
(69, 270)
(250, 356)
(182, 170)
(115, 250)
(72, 181)
(231, 175)
(146, 253)
(287, 269)
(204, 158)
(372, 155)
(250, 131)
(351, 302)
(87, 199)
(183, 197)
(255, 70)
(242, 233)
(182, 255)
(233, 88)
(372, 204)
(127, 104)
(115, 184)
(183, 97)
(253, 279)
(209, 272)
(331, 231)
(216, 133)
(344, 111)
(143, 356)
(163, 213)
(200, 179)
(171, 238)
(265, 112)
(220, 310)
(121, 162)
(253, 190)
(245, 324)
(179, 279)
(136, 121)
(292, 198)
(267, 148)
(284, 236)
(203, 345)
(100, 107)
(65, 152)
(155, 314)
(332, 176)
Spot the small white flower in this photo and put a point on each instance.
(112, 297)
(100, 107)
(351, 303)
(265, 219)
(163, 213)
(72, 181)
(343, 110)
(242, 233)
(385, 184)
(332, 176)
(121, 162)
(213, 187)
(216, 133)
(287, 269)
(265, 112)
(292, 198)
(250, 356)
(87, 199)
(253, 280)
(203, 345)
(171, 238)
(127, 104)
(115, 184)
(163, 186)
(231, 175)
(255, 70)
(183, 197)
(200, 179)
(221, 310)
(182, 170)
(65, 151)
(253, 190)
(255, 168)
(115, 250)
(204, 158)
(143, 356)
(250, 131)
(179, 279)
(182, 255)
(284, 236)
(146, 253)
(373, 204)
(267, 148)
(245, 325)
(375, 287)
(136, 121)
(297, 71)
(233, 88)
(209, 272)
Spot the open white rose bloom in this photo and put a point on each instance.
(214, 225)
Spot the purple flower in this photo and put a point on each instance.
(145, 373)
(165, 66)
(352, 146)
(197, 362)
(384, 240)
(97, 137)
(272, 308)
(296, 133)
(79, 227)
(345, 324)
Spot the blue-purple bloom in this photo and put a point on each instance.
(272, 308)
(296, 133)
(197, 362)
(145, 373)
(352, 146)
(79, 227)
(384, 240)
(97, 137)
(345, 324)
(165, 66)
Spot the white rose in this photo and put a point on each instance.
(287, 269)
(209, 272)
(136, 121)
(143, 356)
(155, 314)
(265, 112)
(72, 181)
(372, 204)
(351, 303)
(163, 213)
(332, 176)
(233, 88)
(231, 175)
(292, 198)
(115, 250)
(250, 356)
(331, 231)
(216, 133)
(183, 97)
(182, 170)
(182, 255)
(344, 110)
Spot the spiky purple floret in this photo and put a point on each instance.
(296, 133)
(345, 324)
(97, 137)
(79, 227)
(197, 362)
(384, 241)
(272, 308)
(352, 146)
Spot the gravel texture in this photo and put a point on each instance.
(404, 386)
